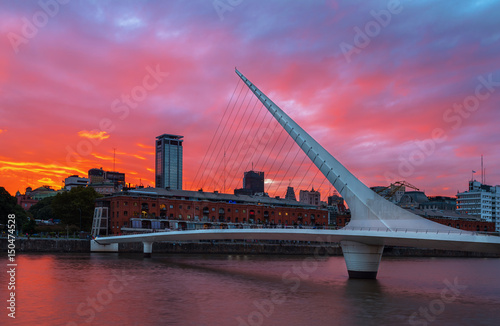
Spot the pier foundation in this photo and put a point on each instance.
(362, 260)
(95, 246)
(148, 249)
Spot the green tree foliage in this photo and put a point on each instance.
(8, 205)
(68, 205)
(29, 227)
(43, 209)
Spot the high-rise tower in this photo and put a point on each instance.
(168, 165)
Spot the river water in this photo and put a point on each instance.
(126, 289)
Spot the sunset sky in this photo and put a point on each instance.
(395, 91)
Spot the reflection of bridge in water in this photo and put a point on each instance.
(375, 222)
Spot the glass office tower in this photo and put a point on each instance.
(169, 161)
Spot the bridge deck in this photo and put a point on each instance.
(446, 240)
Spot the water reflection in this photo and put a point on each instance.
(125, 289)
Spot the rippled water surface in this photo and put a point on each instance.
(119, 289)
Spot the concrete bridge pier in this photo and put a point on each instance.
(148, 249)
(362, 260)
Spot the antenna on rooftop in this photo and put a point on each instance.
(482, 170)
(114, 158)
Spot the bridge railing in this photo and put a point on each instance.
(428, 231)
(347, 228)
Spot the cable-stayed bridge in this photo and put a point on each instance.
(375, 222)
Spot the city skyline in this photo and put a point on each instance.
(373, 92)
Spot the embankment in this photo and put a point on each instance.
(82, 246)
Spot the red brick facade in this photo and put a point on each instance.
(462, 224)
(124, 208)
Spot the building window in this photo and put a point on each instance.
(125, 213)
(171, 206)
(180, 206)
(213, 209)
(189, 207)
(236, 210)
(125, 203)
(135, 203)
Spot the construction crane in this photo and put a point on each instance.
(389, 191)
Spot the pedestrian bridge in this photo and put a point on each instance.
(375, 222)
(360, 263)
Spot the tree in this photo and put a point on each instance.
(69, 206)
(29, 226)
(43, 209)
(8, 205)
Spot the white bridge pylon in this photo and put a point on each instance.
(375, 222)
(368, 209)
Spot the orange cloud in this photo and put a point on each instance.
(144, 146)
(105, 158)
(2, 130)
(94, 134)
(48, 182)
(37, 167)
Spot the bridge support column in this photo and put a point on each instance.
(148, 249)
(95, 246)
(362, 260)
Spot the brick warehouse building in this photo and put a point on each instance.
(150, 209)
(463, 223)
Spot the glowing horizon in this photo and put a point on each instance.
(395, 92)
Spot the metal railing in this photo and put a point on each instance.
(322, 227)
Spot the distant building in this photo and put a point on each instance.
(310, 197)
(31, 197)
(338, 202)
(168, 166)
(290, 194)
(116, 178)
(413, 199)
(75, 181)
(25, 201)
(41, 192)
(481, 200)
(336, 207)
(253, 183)
(96, 176)
(104, 188)
(440, 203)
(106, 182)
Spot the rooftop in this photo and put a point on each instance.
(212, 196)
(170, 136)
